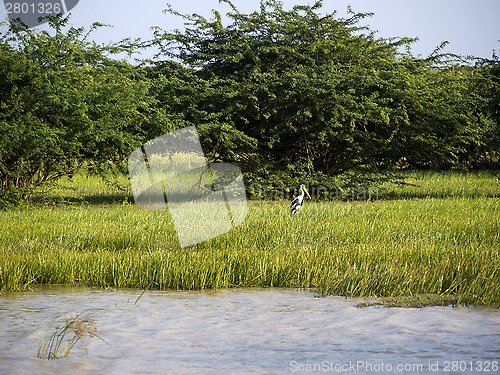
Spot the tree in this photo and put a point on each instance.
(485, 83)
(63, 103)
(320, 95)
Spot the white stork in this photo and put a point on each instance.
(297, 202)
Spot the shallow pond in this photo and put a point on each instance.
(244, 331)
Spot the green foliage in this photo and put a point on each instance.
(321, 96)
(290, 95)
(485, 83)
(63, 102)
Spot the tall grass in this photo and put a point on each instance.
(429, 184)
(442, 243)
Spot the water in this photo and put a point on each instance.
(245, 331)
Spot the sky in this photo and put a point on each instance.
(470, 27)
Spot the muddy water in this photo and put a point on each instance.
(244, 331)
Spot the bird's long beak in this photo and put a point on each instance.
(307, 193)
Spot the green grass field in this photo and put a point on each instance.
(440, 235)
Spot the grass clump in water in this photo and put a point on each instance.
(77, 328)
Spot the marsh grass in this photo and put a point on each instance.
(435, 244)
(429, 184)
(83, 189)
(78, 328)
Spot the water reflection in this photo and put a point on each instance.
(242, 331)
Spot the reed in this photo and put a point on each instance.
(445, 243)
(72, 330)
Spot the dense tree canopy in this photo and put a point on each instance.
(63, 103)
(287, 95)
(320, 95)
